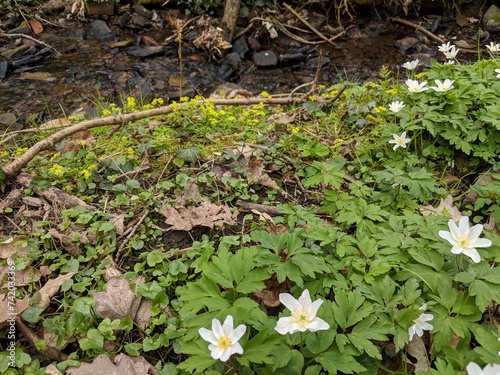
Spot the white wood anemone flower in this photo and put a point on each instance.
(303, 317)
(493, 47)
(223, 339)
(415, 86)
(465, 239)
(411, 65)
(452, 53)
(396, 106)
(446, 47)
(443, 86)
(421, 324)
(474, 369)
(399, 141)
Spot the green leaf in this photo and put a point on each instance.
(334, 361)
(94, 340)
(201, 294)
(485, 292)
(199, 359)
(320, 341)
(189, 154)
(260, 348)
(350, 308)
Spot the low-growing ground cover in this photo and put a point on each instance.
(358, 236)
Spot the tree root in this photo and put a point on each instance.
(419, 28)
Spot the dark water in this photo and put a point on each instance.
(91, 69)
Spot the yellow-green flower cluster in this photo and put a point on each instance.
(112, 110)
(130, 105)
(56, 169)
(380, 109)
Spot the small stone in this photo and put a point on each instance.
(406, 43)
(265, 59)
(98, 29)
(145, 51)
(138, 21)
(143, 12)
(491, 19)
(254, 44)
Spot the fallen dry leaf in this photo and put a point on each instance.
(66, 242)
(255, 171)
(51, 288)
(445, 208)
(417, 349)
(25, 276)
(36, 26)
(123, 365)
(119, 301)
(118, 222)
(111, 269)
(188, 195)
(13, 245)
(206, 215)
(9, 309)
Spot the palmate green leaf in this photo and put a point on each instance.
(310, 264)
(201, 294)
(485, 292)
(486, 336)
(252, 281)
(426, 256)
(333, 362)
(366, 330)
(260, 348)
(349, 308)
(294, 366)
(320, 341)
(431, 278)
(199, 356)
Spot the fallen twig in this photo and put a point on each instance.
(291, 10)
(15, 35)
(419, 28)
(14, 167)
(130, 235)
(249, 206)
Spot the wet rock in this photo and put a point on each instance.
(4, 67)
(491, 19)
(98, 29)
(76, 34)
(265, 59)
(123, 20)
(145, 51)
(424, 49)
(30, 56)
(406, 43)
(100, 7)
(290, 58)
(7, 119)
(240, 46)
(140, 86)
(143, 12)
(229, 65)
(11, 52)
(254, 44)
(138, 22)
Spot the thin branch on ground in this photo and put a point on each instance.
(14, 167)
(16, 35)
(130, 235)
(419, 28)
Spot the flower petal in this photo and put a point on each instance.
(237, 333)
(473, 254)
(454, 230)
(227, 327)
(236, 349)
(474, 369)
(463, 226)
(475, 232)
(289, 301)
(285, 325)
(481, 242)
(305, 299)
(317, 324)
(447, 236)
(208, 335)
(217, 328)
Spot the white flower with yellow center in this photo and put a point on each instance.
(303, 317)
(493, 47)
(396, 106)
(443, 86)
(411, 65)
(474, 369)
(452, 53)
(446, 47)
(465, 239)
(421, 324)
(415, 86)
(223, 339)
(399, 141)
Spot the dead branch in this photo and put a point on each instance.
(419, 28)
(14, 167)
(290, 9)
(58, 54)
(130, 235)
(249, 206)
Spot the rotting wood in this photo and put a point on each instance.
(13, 168)
(249, 206)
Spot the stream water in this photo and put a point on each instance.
(89, 68)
